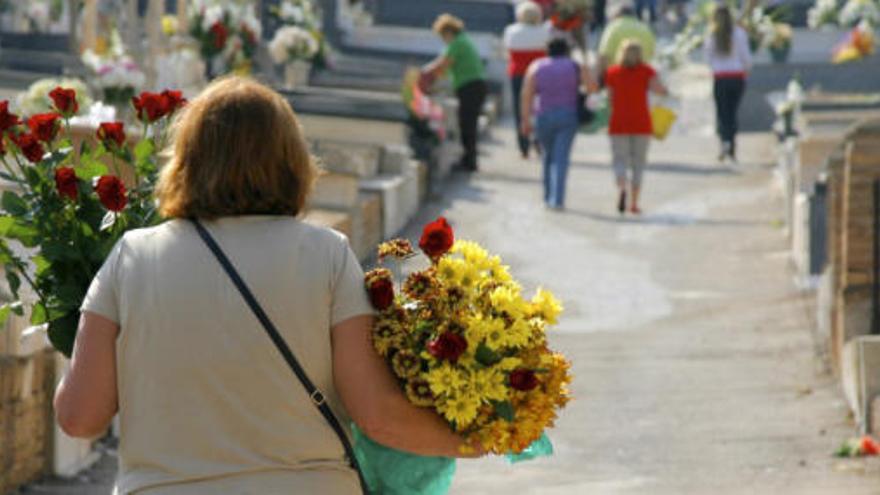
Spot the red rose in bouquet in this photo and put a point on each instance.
(380, 288)
(150, 107)
(173, 101)
(66, 183)
(64, 100)
(7, 120)
(44, 126)
(437, 238)
(30, 146)
(111, 133)
(111, 193)
(523, 380)
(448, 346)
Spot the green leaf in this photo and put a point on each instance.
(486, 356)
(42, 264)
(6, 310)
(504, 410)
(62, 332)
(14, 204)
(26, 234)
(14, 281)
(144, 150)
(6, 223)
(90, 167)
(38, 315)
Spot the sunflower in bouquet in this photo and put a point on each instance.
(462, 339)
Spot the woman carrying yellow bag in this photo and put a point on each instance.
(630, 126)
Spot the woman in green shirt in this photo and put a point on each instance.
(465, 67)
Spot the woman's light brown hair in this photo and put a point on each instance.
(448, 23)
(631, 54)
(722, 29)
(237, 150)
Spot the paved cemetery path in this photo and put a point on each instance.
(695, 367)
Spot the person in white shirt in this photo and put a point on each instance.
(525, 41)
(728, 54)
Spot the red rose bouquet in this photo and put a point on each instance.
(462, 340)
(65, 209)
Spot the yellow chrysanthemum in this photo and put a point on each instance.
(444, 379)
(462, 410)
(509, 364)
(473, 253)
(506, 298)
(547, 306)
(517, 334)
(489, 384)
(406, 364)
(494, 333)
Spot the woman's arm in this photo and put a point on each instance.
(657, 87)
(85, 401)
(375, 402)
(589, 82)
(527, 99)
(438, 66)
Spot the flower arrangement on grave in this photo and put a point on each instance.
(66, 208)
(304, 15)
(425, 123)
(865, 446)
(228, 34)
(854, 12)
(779, 42)
(759, 27)
(857, 44)
(570, 14)
(115, 72)
(823, 14)
(462, 340)
(292, 43)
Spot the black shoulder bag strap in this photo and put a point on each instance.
(315, 394)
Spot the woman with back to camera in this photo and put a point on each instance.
(526, 41)
(206, 402)
(630, 127)
(727, 53)
(552, 86)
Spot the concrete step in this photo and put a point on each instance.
(355, 159)
(39, 61)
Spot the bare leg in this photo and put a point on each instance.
(634, 204)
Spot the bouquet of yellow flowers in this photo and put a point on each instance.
(461, 338)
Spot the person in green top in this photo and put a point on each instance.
(624, 27)
(465, 67)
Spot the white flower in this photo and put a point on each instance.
(250, 21)
(292, 43)
(855, 11)
(292, 13)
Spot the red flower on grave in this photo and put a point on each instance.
(869, 446)
(437, 238)
(30, 146)
(219, 33)
(44, 126)
(111, 193)
(66, 183)
(64, 100)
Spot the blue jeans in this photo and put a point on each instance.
(651, 6)
(555, 130)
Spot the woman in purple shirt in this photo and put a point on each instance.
(551, 88)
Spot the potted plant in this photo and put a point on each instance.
(779, 44)
(294, 47)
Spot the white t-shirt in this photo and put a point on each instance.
(738, 60)
(206, 402)
(526, 37)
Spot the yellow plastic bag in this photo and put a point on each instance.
(662, 119)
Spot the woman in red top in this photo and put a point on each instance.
(630, 125)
